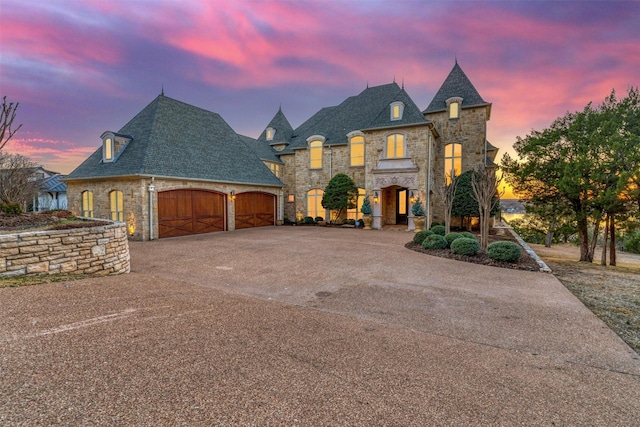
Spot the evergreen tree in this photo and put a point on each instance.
(339, 195)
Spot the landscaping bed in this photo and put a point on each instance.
(526, 262)
(48, 220)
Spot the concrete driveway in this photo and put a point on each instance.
(309, 326)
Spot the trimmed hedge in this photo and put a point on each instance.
(451, 237)
(434, 241)
(438, 229)
(421, 235)
(308, 220)
(465, 246)
(504, 251)
(468, 235)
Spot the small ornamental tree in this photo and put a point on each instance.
(417, 209)
(366, 206)
(340, 194)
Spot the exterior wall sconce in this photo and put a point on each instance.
(412, 197)
(376, 197)
(232, 195)
(292, 198)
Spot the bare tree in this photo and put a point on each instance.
(7, 116)
(447, 193)
(485, 183)
(17, 181)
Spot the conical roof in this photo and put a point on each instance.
(457, 84)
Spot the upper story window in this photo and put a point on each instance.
(315, 151)
(116, 206)
(275, 168)
(395, 146)
(453, 105)
(270, 133)
(87, 204)
(397, 109)
(356, 147)
(107, 149)
(452, 161)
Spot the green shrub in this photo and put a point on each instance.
(434, 241)
(465, 246)
(468, 235)
(308, 220)
(11, 208)
(421, 235)
(504, 251)
(319, 218)
(451, 237)
(417, 209)
(438, 229)
(632, 243)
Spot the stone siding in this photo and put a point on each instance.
(91, 250)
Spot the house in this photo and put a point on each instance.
(52, 192)
(176, 169)
(34, 188)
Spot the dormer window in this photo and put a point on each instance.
(270, 133)
(112, 145)
(397, 109)
(453, 105)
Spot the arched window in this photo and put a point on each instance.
(107, 150)
(395, 146)
(356, 144)
(270, 133)
(314, 203)
(355, 212)
(116, 206)
(87, 204)
(397, 108)
(452, 161)
(315, 154)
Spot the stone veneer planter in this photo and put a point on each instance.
(101, 249)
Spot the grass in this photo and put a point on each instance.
(611, 293)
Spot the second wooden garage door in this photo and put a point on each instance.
(184, 212)
(255, 210)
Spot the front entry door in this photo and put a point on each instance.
(402, 203)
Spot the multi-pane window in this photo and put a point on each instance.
(452, 161)
(357, 151)
(116, 206)
(87, 204)
(395, 146)
(275, 168)
(355, 212)
(314, 203)
(315, 154)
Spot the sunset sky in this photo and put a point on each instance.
(79, 68)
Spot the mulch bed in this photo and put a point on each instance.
(525, 262)
(49, 220)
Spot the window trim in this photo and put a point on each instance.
(450, 108)
(116, 215)
(351, 136)
(400, 105)
(316, 142)
(270, 133)
(318, 195)
(452, 158)
(87, 203)
(404, 145)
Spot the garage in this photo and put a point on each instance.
(254, 209)
(185, 212)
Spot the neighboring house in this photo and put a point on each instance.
(194, 174)
(52, 193)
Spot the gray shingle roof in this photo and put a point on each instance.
(370, 109)
(456, 84)
(53, 184)
(283, 129)
(174, 139)
(262, 149)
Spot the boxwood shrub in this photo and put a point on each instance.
(465, 246)
(451, 237)
(468, 235)
(438, 229)
(421, 235)
(434, 241)
(504, 251)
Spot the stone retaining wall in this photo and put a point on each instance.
(92, 250)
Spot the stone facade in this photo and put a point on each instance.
(135, 192)
(91, 250)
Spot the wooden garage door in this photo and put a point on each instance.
(255, 210)
(184, 212)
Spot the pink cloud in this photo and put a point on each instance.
(58, 155)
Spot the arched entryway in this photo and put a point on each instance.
(186, 211)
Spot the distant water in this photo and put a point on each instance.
(511, 216)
